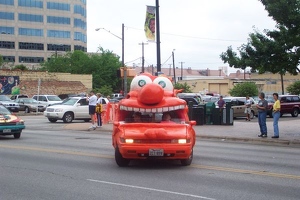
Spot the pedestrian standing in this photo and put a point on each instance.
(92, 99)
(276, 115)
(99, 109)
(248, 108)
(262, 107)
(221, 103)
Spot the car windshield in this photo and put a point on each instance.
(70, 101)
(4, 98)
(54, 98)
(25, 100)
(4, 111)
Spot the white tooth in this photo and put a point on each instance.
(121, 107)
(177, 107)
(142, 110)
(159, 110)
(171, 108)
(153, 110)
(136, 109)
(148, 110)
(181, 106)
(165, 109)
(130, 108)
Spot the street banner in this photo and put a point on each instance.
(150, 24)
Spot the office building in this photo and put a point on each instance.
(31, 31)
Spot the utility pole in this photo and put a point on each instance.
(181, 63)
(143, 58)
(170, 69)
(174, 66)
(157, 30)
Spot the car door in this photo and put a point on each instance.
(21, 104)
(81, 110)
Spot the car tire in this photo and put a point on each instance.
(52, 120)
(295, 112)
(68, 117)
(27, 110)
(186, 162)
(121, 162)
(17, 135)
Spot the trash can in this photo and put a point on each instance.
(227, 115)
(198, 115)
(216, 116)
(208, 111)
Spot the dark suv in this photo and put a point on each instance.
(289, 104)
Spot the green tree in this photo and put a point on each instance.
(244, 89)
(186, 88)
(21, 67)
(103, 66)
(276, 51)
(294, 88)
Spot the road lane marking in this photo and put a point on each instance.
(76, 153)
(243, 171)
(150, 189)
(215, 168)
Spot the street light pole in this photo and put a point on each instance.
(123, 64)
(158, 37)
(181, 63)
(143, 58)
(174, 66)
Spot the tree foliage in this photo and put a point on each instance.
(186, 88)
(1, 60)
(276, 51)
(294, 88)
(244, 89)
(102, 66)
(21, 67)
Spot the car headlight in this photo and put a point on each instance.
(181, 141)
(129, 141)
(20, 123)
(59, 110)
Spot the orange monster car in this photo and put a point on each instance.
(151, 122)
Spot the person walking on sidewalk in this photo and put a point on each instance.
(262, 107)
(92, 99)
(99, 110)
(276, 115)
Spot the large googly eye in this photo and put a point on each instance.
(139, 81)
(165, 83)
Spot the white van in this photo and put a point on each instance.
(48, 100)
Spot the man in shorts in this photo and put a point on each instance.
(92, 99)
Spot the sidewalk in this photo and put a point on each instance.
(240, 131)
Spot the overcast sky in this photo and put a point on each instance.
(198, 30)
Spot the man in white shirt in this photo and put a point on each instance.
(92, 99)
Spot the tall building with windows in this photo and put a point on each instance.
(33, 30)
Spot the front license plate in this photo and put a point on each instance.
(156, 152)
(6, 130)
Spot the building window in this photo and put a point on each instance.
(79, 10)
(7, 2)
(7, 45)
(58, 34)
(31, 32)
(31, 46)
(9, 58)
(30, 3)
(7, 15)
(7, 30)
(31, 18)
(79, 47)
(31, 59)
(83, 1)
(58, 6)
(80, 23)
(58, 47)
(80, 37)
(58, 20)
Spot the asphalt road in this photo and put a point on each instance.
(48, 162)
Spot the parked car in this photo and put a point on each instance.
(238, 105)
(30, 105)
(48, 100)
(10, 124)
(75, 108)
(13, 97)
(193, 100)
(9, 104)
(290, 104)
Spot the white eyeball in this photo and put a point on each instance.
(165, 83)
(139, 81)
